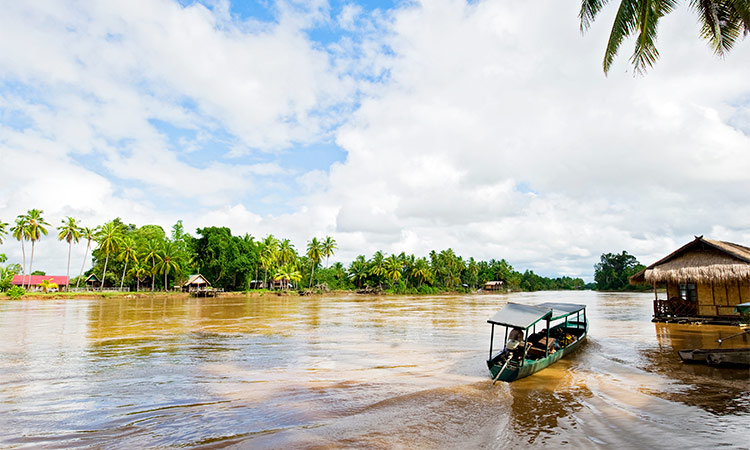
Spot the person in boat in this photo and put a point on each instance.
(515, 344)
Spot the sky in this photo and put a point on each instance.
(487, 127)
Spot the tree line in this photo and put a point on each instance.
(148, 258)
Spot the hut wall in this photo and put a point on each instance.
(706, 310)
(720, 294)
(745, 291)
(726, 311)
(733, 293)
(705, 294)
(673, 290)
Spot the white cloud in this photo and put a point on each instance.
(486, 127)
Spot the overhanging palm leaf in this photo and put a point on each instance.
(722, 23)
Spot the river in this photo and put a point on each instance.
(352, 371)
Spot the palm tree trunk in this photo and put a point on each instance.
(104, 274)
(83, 264)
(70, 248)
(31, 261)
(23, 268)
(311, 275)
(165, 281)
(153, 275)
(123, 274)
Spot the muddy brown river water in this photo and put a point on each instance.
(352, 372)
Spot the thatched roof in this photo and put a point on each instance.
(196, 279)
(702, 260)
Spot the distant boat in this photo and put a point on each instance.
(562, 329)
(739, 357)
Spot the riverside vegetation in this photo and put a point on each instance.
(147, 258)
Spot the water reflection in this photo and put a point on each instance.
(350, 371)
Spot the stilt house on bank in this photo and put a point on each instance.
(196, 283)
(704, 281)
(92, 282)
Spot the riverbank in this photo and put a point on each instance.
(93, 295)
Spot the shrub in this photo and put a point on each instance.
(15, 292)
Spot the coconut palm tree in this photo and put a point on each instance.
(286, 274)
(286, 254)
(139, 271)
(393, 266)
(268, 254)
(314, 251)
(328, 246)
(89, 234)
(377, 267)
(421, 271)
(723, 22)
(21, 232)
(127, 254)
(169, 260)
(36, 226)
(3, 230)
(70, 232)
(151, 251)
(109, 237)
(358, 271)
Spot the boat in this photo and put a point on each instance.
(739, 357)
(562, 329)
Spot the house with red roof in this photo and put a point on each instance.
(34, 282)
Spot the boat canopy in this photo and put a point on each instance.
(742, 308)
(521, 316)
(560, 310)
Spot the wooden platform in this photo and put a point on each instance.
(205, 292)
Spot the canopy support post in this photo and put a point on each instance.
(492, 336)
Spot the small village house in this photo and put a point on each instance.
(704, 280)
(92, 282)
(34, 282)
(493, 285)
(196, 283)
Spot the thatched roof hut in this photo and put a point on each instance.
(704, 278)
(195, 283)
(700, 261)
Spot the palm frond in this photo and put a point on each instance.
(589, 10)
(722, 22)
(623, 26)
(649, 13)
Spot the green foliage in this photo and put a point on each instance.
(39, 272)
(722, 22)
(226, 261)
(6, 276)
(127, 255)
(3, 230)
(614, 270)
(15, 292)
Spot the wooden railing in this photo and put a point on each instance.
(675, 307)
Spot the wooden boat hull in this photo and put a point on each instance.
(513, 372)
(717, 356)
